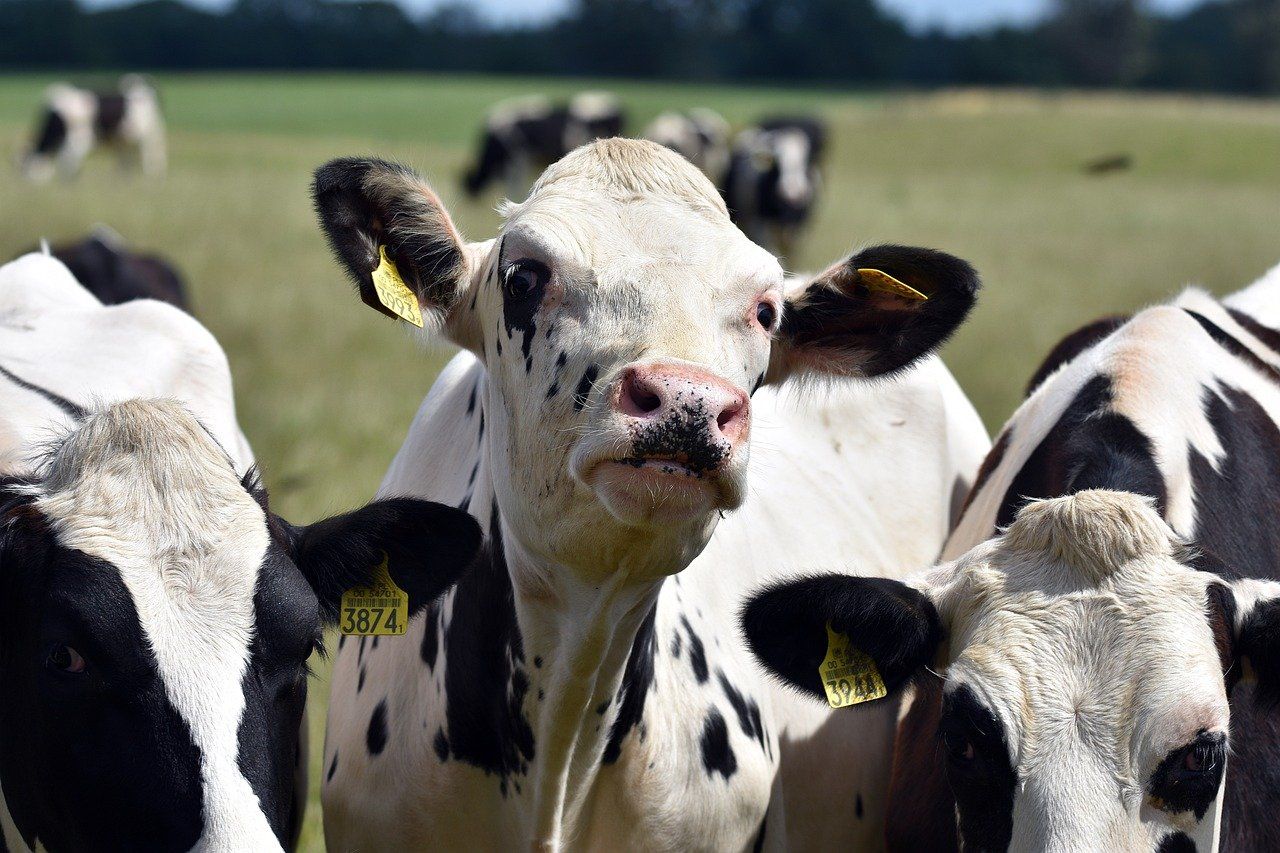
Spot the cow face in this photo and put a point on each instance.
(623, 322)
(1086, 660)
(155, 624)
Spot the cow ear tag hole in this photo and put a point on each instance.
(849, 676)
(393, 292)
(877, 280)
(380, 609)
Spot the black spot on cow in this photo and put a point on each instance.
(1177, 842)
(342, 641)
(746, 709)
(1073, 345)
(441, 744)
(471, 401)
(585, 384)
(333, 767)
(69, 408)
(374, 644)
(979, 770)
(553, 390)
(637, 680)
(1267, 335)
(1235, 347)
(360, 680)
(376, 737)
(717, 754)
(758, 844)
(697, 653)
(430, 647)
(1174, 788)
(537, 662)
(675, 645)
(498, 341)
(561, 359)
(602, 707)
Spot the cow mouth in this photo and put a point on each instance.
(675, 464)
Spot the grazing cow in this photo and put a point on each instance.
(772, 183)
(585, 685)
(1179, 404)
(524, 136)
(1086, 659)
(701, 135)
(155, 616)
(75, 120)
(112, 273)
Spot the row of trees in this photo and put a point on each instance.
(1221, 45)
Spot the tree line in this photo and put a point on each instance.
(1222, 45)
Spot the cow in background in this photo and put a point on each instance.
(76, 120)
(524, 136)
(700, 134)
(110, 271)
(771, 186)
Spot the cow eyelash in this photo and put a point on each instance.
(533, 276)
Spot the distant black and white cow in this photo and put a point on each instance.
(110, 271)
(586, 685)
(521, 137)
(74, 120)
(1090, 657)
(771, 186)
(701, 135)
(155, 616)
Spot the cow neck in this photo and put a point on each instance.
(579, 638)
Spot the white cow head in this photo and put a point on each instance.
(1087, 655)
(623, 322)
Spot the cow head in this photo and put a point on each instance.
(1086, 661)
(155, 625)
(623, 323)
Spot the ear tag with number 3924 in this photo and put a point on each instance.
(393, 292)
(849, 675)
(380, 609)
(885, 283)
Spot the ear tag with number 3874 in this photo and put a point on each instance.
(849, 676)
(380, 609)
(393, 292)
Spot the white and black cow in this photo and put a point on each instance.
(523, 136)
(74, 120)
(586, 686)
(771, 185)
(1098, 682)
(701, 135)
(155, 616)
(108, 269)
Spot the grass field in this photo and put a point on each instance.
(326, 388)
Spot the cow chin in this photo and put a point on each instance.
(661, 494)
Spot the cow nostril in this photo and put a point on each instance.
(727, 416)
(646, 401)
(639, 397)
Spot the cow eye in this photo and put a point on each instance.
(766, 314)
(1189, 776)
(960, 749)
(64, 659)
(525, 278)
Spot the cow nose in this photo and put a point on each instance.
(657, 393)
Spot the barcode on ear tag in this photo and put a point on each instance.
(885, 283)
(380, 609)
(393, 292)
(849, 676)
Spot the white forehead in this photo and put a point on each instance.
(1087, 631)
(621, 203)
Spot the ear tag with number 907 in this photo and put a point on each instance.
(849, 676)
(393, 292)
(380, 609)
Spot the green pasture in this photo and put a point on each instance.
(326, 387)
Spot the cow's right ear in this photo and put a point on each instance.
(892, 623)
(369, 207)
(1254, 608)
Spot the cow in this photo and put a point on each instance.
(701, 135)
(105, 267)
(584, 685)
(772, 182)
(1176, 405)
(156, 616)
(523, 136)
(75, 120)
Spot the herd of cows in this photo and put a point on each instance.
(663, 524)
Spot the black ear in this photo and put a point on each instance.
(854, 320)
(428, 545)
(1258, 644)
(364, 204)
(786, 627)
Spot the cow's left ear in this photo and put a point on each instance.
(1255, 610)
(873, 313)
(427, 546)
(895, 625)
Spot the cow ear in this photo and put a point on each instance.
(1256, 606)
(873, 313)
(427, 547)
(895, 625)
(368, 208)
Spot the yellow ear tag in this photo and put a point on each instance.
(380, 609)
(848, 675)
(393, 292)
(882, 281)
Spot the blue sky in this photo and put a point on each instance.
(953, 15)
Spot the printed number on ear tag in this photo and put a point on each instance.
(393, 292)
(849, 675)
(885, 283)
(380, 609)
